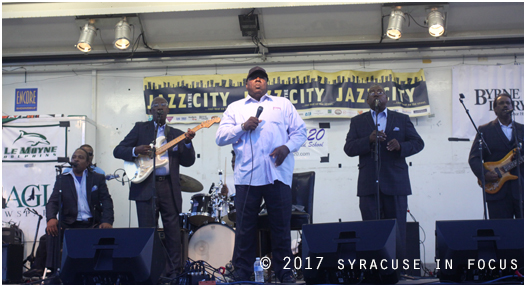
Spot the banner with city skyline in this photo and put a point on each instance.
(315, 94)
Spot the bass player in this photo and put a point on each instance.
(499, 135)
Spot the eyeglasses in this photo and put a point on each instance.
(376, 93)
(161, 104)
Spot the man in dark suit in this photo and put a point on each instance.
(167, 184)
(499, 135)
(86, 202)
(398, 139)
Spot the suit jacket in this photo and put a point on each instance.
(143, 134)
(499, 146)
(99, 199)
(394, 176)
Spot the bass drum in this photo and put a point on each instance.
(213, 243)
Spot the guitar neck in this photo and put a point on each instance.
(175, 141)
(511, 165)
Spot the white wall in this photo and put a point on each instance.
(443, 186)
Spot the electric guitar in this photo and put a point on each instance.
(502, 168)
(142, 167)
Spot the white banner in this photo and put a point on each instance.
(481, 85)
(26, 187)
(29, 156)
(33, 143)
(316, 147)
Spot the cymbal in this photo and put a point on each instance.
(189, 184)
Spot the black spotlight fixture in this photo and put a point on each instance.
(249, 24)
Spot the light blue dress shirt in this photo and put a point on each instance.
(281, 125)
(382, 119)
(82, 199)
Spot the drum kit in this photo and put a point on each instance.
(209, 223)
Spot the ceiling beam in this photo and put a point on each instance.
(64, 9)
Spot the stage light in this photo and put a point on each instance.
(394, 28)
(122, 35)
(86, 37)
(435, 22)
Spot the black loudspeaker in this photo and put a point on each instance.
(360, 252)
(412, 248)
(12, 258)
(479, 250)
(112, 256)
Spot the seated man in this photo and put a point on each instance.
(39, 263)
(85, 199)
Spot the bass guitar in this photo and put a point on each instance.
(502, 168)
(142, 167)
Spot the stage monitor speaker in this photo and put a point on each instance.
(479, 250)
(12, 258)
(112, 256)
(351, 252)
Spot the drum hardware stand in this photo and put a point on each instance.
(217, 200)
(31, 257)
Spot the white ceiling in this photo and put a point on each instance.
(33, 32)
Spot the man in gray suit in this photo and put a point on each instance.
(397, 139)
(167, 184)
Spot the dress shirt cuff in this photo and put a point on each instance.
(133, 152)
(238, 129)
(289, 146)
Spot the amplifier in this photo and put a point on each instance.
(12, 235)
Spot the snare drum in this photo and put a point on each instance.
(201, 211)
(213, 243)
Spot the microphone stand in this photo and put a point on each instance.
(482, 143)
(518, 156)
(58, 243)
(154, 150)
(377, 161)
(31, 257)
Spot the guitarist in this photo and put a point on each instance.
(500, 138)
(167, 184)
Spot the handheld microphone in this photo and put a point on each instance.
(160, 112)
(462, 96)
(73, 164)
(112, 176)
(376, 105)
(211, 188)
(260, 110)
